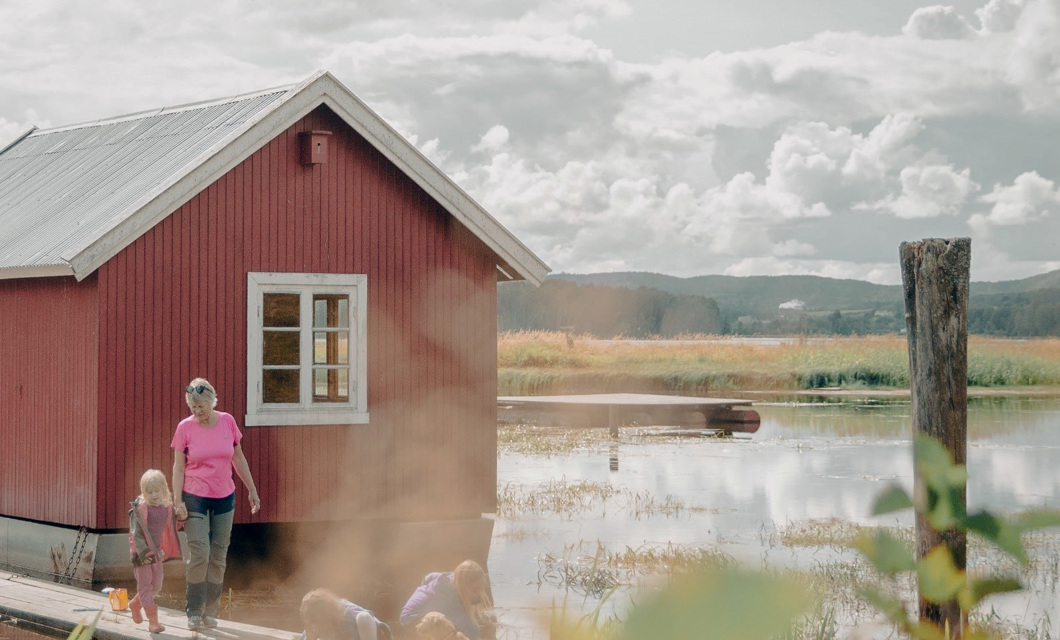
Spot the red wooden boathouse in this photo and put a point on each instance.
(333, 284)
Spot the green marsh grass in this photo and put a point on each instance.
(539, 363)
(593, 574)
(543, 440)
(572, 498)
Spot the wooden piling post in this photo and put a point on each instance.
(935, 276)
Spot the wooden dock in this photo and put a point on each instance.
(614, 410)
(50, 606)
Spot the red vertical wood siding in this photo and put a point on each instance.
(173, 306)
(49, 396)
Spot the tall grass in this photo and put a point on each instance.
(550, 362)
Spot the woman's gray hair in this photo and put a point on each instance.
(200, 390)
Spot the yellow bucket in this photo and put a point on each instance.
(119, 599)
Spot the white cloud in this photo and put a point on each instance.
(938, 23)
(1030, 197)
(999, 16)
(1034, 58)
(594, 162)
(493, 140)
(929, 192)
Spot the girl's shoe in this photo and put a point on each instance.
(154, 626)
(134, 609)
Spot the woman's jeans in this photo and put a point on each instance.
(209, 530)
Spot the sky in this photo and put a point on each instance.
(684, 137)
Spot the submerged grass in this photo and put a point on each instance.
(574, 569)
(571, 498)
(543, 440)
(546, 362)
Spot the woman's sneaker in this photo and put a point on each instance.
(195, 622)
(209, 621)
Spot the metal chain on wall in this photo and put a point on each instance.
(75, 556)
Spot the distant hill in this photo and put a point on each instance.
(763, 295)
(757, 295)
(658, 304)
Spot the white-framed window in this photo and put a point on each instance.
(307, 351)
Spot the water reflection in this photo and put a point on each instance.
(809, 461)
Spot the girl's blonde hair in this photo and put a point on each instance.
(321, 612)
(198, 390)
(470, 582)
(435, 626)
(155, 478)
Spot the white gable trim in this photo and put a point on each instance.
(320, 88)
(424, 173)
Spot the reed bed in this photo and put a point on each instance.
(550, 362)
(572, 498)
(574, 569)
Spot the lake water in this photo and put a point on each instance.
(809, 462)
(567, 494)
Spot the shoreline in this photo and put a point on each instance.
(973, 392)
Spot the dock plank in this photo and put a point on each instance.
(613, 410)
(63, 607)
(625, 399)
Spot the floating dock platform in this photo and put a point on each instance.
(614, 410)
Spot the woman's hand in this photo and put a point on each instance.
(255, 501)
(180, 511)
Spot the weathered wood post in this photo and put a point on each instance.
(935, 276)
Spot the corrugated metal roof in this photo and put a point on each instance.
(62, 188)
(72, 197)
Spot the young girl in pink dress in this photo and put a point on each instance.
(152, 541)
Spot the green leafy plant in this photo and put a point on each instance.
(81, 632)
(940, 501)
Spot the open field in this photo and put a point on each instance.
(552, 362)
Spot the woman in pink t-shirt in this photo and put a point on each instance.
(205, 450)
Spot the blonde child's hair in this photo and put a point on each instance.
(155, 478)
(435, 626)
(470, 581)
(321, 613)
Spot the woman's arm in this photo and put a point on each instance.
(239, 461)
(179, 510)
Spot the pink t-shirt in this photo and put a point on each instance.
(208, 451)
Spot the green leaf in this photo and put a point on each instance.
(927, 631)
(973, 593)
(1001, 532)
(887, 553)
(893, 498)
(1037, 519)
(938, 576)
(719, 604)
(942, 482)
(81, 632)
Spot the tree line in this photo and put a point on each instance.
(604, 311)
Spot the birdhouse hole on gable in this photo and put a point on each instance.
(314, 146)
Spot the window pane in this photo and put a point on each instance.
(331, 385)
(331, 310)
(279, 385)
(331, 347)
(281, 310)
(280, 347)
